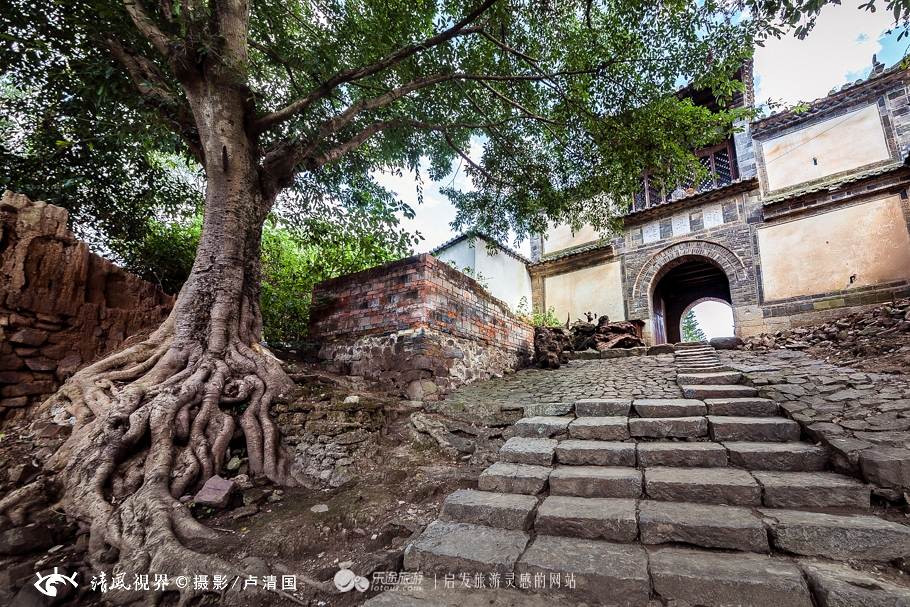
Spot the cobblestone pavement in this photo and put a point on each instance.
(849, 411)
(502, 400)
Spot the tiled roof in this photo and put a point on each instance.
(470, 233)
(847, 95)
(832, 184)
(734, 187)
(591, 246)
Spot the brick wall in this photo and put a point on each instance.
(418, 325)
(61, 306)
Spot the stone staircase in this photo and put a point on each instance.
(708, 500)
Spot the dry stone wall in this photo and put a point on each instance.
(417, 325)
(61, 306)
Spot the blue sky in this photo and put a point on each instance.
(839, 50)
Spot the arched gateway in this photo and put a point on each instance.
(677, 277)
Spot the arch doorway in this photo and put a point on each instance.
(679, 288)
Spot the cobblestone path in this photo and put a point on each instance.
(699, 493)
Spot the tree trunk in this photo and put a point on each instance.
(154, 421)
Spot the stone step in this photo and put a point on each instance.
(694, 455)
(753, 429)
(742, 407)
(705, 392)
(836, 536)
(697, 577)
(534, 451)
(711, 379)
(602, 407)
(595, 481)
(504, 477)
(705, 369)
(667, 427)
(704, 525)
(784, 457)
(812, 490)
(599, 428)
(600, 571)
(702, 485)
(590, 518)
(548, 409)
(835, 585)
(447, 547)
(688, 360)
(669, 407)
(501, 510)
(595, 453)
(542, 427)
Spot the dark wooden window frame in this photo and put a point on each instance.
(651, 193)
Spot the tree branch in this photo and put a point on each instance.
(147, 27)
(459, 29)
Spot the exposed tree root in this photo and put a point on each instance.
(154, 422)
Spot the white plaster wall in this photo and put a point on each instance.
(597, 289)
(839, 144)
(562, 237)
(506, 278)
(818, 254)
(461, 253)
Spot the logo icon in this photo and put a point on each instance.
(346, 579)
(51, 580)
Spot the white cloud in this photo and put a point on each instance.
(839, 48)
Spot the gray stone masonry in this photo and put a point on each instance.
(514, 478)
(595, 453)
(602, 407)
(612, 520)
(767, 429)
(702, 485)
(742, 407)
(837, 585)
(534, 451)
(812, 490)
(677, 427)
(666, 407)
(789, 457)
(595, 481)
(703, 525)
(542, 427)
(690, 455)
(599, 428)
(502, 510)
(478, 548)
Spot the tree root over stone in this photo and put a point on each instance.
(149, 427)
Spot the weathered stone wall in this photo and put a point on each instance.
(61, 306)
(417, 325)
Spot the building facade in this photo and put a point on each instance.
(806, 213)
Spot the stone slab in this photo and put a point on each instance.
(837, 537)
(665, 427)
(723, 378)
(706, 392)
(542, 426)
(754, 429)
(503, 477)
(742, 407)
(669, 407)
(590, 518)
(534, 451)
(595, 453)
(447, 547)
(216, 492)
(715, 580)
(595, 481)
(785, 457)
(548, 409)
(836, 585)
(703, 368)
(703, 485)
(599, 428)
(689, 455)
(602, 407)
(886, 467)
(615, 573)
(812, 490)
(502, 510)
(704, 525)
(397, 599)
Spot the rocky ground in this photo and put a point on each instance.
(376, 468)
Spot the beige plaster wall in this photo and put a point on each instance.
(818, 254)
(838, 144)
(597, 289)
(562, 237)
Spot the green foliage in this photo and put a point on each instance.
(537, 318)
(482, 280)
(690, 329)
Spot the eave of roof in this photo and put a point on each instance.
(566, 253)
(849, 94)
(734, 187)
(830, 185)
(472, 233)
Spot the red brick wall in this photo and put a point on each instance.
(419, 291)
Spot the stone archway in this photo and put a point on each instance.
(695, 303)
(694, 269)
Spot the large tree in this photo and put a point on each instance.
(569, 100)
